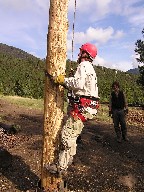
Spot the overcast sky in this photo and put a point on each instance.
(112, 25)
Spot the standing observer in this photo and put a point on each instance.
(118, 108)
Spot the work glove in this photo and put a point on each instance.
(126, 111)
(59, 79)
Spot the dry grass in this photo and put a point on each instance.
(27, 102)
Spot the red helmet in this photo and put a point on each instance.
(90, 49)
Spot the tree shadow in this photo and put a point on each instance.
(8, 129)
(20, 175)
(29, 124)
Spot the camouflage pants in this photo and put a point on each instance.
(70, 132)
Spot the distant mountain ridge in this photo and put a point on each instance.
(16, 52)
(134, 71)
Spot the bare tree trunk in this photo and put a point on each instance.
(54, 95)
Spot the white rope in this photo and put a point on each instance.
(73, 30)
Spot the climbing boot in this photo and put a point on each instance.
(62, 186)
(51, 168)
(55, 169)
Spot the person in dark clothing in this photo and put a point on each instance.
(118, 108)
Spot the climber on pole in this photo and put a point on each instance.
(85, 105)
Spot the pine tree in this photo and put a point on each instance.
(140, 51)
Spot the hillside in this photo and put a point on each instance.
(15, 52)
(23, 74)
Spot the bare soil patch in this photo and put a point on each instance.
(100, 165)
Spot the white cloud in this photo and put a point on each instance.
(16, 5)
(27, 5)
(122, 65)
(43, 4)
(119, 65)
(118, 34)
(88, 5)
(99, 61)
(137, 19)
(97, 35)
(132, 10)
(24, 24)
(94, 10)
(100, 35)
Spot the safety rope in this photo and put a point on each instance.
(73, 30)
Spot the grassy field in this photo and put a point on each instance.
(39, 104)
(27, 102)
(102, 114)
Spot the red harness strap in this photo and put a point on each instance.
(78, 108)
(89, 103)
(77, 114)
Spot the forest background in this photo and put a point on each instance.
(23, 75)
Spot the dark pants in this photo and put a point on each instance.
(119, 121)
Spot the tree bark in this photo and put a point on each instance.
(54, 94)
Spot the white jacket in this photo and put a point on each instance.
(84, 81)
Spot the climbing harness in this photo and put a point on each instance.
(80, 103)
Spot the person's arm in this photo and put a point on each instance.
(73, 83)
(77, 82)
(125, 102)
(125, 105)
(110, 105)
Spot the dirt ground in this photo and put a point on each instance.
(100, 165)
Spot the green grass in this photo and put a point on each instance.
(26, 102)
(103, 113)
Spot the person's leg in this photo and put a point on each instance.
(71, 131)
(79, 139)
(64, 153)
(123, 125)
(66, 156)
(116, 125)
